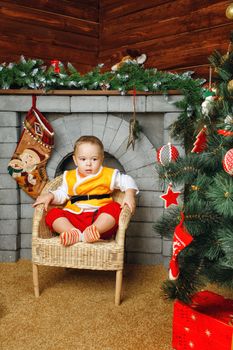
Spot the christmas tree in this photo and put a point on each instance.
(201, 228)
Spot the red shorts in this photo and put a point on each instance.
(85, 219)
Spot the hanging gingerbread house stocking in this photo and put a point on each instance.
(28, 163)
(181, 239)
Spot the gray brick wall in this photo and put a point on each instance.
(9, 193)
(107, 118)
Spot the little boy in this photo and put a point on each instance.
(90, 212)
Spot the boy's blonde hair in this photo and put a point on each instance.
(89, 139)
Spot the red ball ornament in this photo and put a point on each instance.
(167, 153)
(228, 162)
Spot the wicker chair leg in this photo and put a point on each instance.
(35, 280)
(119, 275)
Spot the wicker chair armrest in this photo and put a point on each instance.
(39, 228)
(37, 217)
(124, 220)
(52, 185)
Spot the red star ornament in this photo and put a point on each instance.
(170, 197)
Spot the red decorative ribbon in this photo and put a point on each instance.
(34, 98)
(55, 63)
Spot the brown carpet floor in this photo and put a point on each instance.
(76, 310)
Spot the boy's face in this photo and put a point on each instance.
(88, 158)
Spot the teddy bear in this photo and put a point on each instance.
(132, 55)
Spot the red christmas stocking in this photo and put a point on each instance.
(27, 165)
(181, 239)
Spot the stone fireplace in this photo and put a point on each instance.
(107, 117)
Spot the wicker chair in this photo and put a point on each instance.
(101, 255)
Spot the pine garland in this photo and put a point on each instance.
(33, 74)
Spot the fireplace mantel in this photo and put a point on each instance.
(105, 114)
(82, 92)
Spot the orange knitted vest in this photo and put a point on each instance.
(99, 183)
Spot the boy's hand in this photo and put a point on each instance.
(45, 199)
(129, 199)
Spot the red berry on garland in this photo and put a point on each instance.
(55, 64)
(228, 162)
(167, 153)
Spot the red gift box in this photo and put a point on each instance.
(207, 323)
